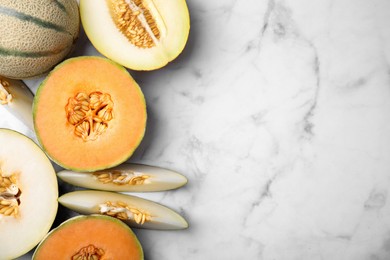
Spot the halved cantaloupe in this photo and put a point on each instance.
(90, 237)
(28, 194)
(89, 114)
(140, 35)
(135, 211)
(126, 177)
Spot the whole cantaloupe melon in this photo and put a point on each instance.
(36, 35)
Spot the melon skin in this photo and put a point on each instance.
(109, 41)
(116, 239)
(36, 35)
(39, 192)
(55, 134)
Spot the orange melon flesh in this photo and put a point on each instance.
(109, 234)
(56, 135)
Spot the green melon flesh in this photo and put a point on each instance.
(95, 202)
(126, 177)
(171, 17)
(37, 183)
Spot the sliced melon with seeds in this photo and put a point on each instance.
(139, 34)
(135, 211)
(28, 194)
(91, 238)
(89, 114)
(17, 99)
(126, 177)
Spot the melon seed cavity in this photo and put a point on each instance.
(137, 20)
(9, 195)
(89, 114)
(89, 252)
(123, 211)
(121, 177)
(5, 95)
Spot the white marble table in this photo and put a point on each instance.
(278, 112)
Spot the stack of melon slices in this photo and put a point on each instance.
(89, 116)
(95, 92)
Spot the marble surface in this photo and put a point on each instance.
(278, 113)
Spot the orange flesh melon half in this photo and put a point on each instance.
(79, 145)
(93, 237)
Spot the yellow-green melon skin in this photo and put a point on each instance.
(36, 35)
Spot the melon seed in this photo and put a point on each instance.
(121, 177)
(89, 114)
(89, 252)
(123, 211)
(135, 21)
(9, 195)
(5, 95)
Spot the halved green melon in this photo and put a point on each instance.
(17, 99)
(138, 34)
(28, 194)
(90, 237)
(89, 114)
(126, 177)
(136, 212)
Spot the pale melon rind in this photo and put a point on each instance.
(109, 41)
(157, 179)
(38, 200)
(88, 201)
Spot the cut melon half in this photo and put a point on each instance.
(126, 177)
(17, 99)
(92, 237)
(89, 114)
(139, 34)
(28, 194)
(136, 212)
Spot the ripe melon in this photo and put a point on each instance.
(135, 211)
(140, 35)
(28, 194)
(90, 237)
(89, 114)
(126, 177)
(36, 35)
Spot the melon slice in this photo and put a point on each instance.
(139, 34)
(136, 212)
(126, 177)
(17, 99)
(90, 237)
(89, 114)
(28, 194)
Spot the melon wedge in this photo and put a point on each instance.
(90, 237)
(17, 99)
(89, 114)
(140, 35)
(28, 194)
(136, 212)
(126, 177)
